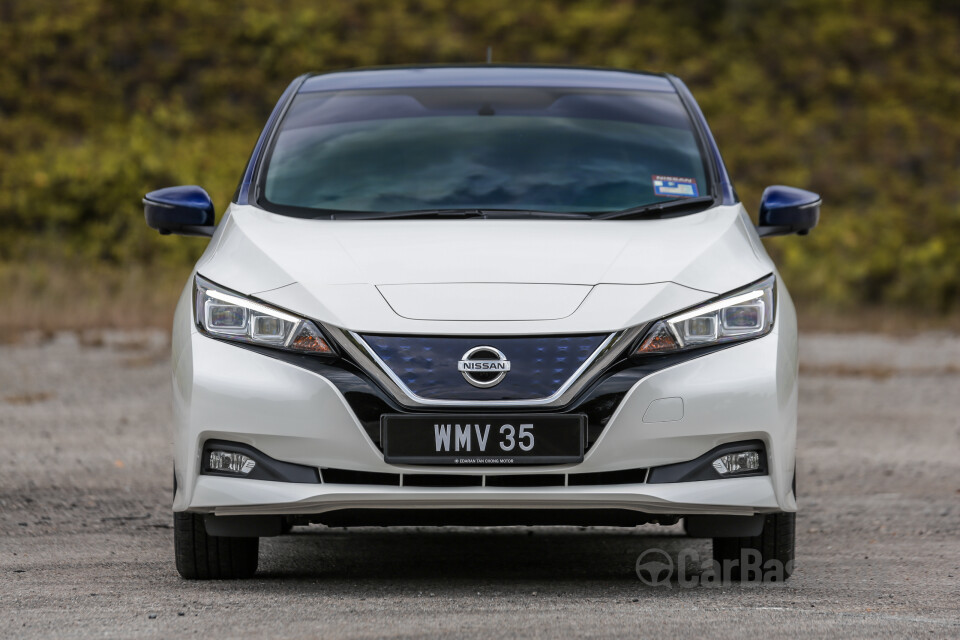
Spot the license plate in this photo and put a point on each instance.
(483, 439)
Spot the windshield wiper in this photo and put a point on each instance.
(655, 209)
(493, 214)
(416, 213)
(514, 214)
(647, 210)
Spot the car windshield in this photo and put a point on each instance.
(483, 148)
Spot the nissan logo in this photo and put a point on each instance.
(484, 367)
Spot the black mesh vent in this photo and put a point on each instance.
(627, 476)
(532, 480)
(441, 480)
(345, 476)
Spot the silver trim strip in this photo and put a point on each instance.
(604, 355)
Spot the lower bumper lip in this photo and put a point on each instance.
(735, 496)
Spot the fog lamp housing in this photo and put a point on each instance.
(739, 462)
(230, 462)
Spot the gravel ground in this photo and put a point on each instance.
(86, 538)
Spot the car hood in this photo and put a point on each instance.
(476, 270)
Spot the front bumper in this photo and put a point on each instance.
(745, 392)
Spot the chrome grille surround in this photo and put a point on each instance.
(611, 348)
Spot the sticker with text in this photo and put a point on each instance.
(674, 187)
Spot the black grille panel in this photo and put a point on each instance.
(627, 476)
(540, 365)
(532, 480)
(346, 476)
(441, 480)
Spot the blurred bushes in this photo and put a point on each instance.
(101, 101)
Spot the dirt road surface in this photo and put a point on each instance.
(86, 538)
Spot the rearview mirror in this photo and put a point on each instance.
(786, 210)
(185, 211)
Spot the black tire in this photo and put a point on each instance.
(777, 542)
(205, 557)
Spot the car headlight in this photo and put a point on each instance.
(228, 316)
(743, 314)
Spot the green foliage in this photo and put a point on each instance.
(101, 101)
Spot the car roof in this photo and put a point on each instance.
(487, 75)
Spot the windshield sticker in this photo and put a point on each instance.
(674, 187)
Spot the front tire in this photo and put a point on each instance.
(205, 557)
(773, 550)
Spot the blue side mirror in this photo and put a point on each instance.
(786, 210)
(185, 211)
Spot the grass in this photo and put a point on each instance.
(70, 297)
(873, 320)
(60, 296)
(875, 372)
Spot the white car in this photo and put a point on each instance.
(483, 295)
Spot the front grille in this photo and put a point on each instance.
(345, 476)
(539, 366)
(441, 480)
(531, 480)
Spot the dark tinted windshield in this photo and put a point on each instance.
(482, 148)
